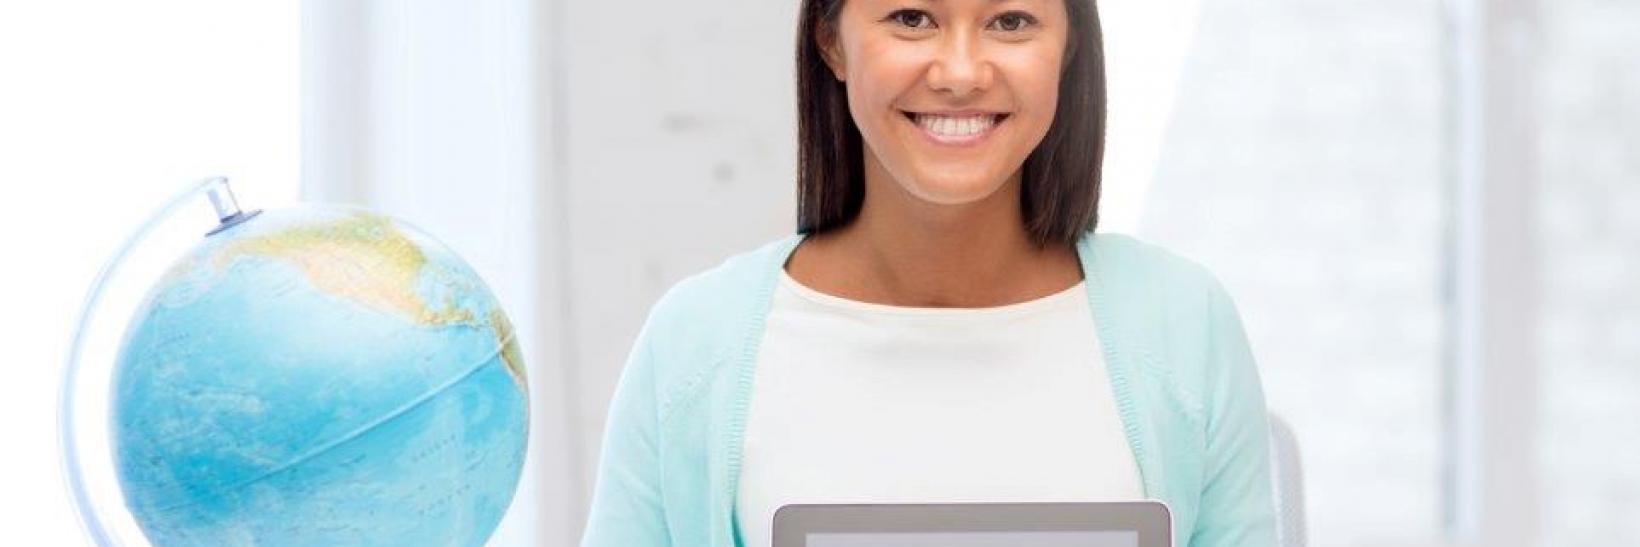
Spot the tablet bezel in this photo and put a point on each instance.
(1151, 519)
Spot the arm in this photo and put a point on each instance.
(1237, 509)
(626, 501)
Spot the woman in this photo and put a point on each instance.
(945, 326)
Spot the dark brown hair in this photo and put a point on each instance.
(1059, 190)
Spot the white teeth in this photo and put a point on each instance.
(946, 126)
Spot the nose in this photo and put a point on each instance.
(959, 68)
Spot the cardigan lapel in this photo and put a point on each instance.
(732, 418)
(1119, 363)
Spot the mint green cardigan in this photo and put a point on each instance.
(1184, 380)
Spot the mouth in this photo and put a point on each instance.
(956, 128)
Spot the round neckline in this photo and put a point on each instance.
(847, 304)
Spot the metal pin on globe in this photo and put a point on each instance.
(228, 213)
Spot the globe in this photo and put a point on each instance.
(317, 376)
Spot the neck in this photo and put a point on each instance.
(905, 250)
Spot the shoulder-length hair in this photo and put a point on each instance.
(1059, 191)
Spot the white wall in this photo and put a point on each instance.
(678, 148)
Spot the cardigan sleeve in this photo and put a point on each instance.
(626, 502)
(1237, 508)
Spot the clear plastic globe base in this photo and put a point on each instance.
(304, 375)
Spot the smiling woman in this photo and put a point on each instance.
(945, 326)
(958, 74)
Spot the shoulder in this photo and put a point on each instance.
(703, 319)
(1169, 313)
(729, 290)
(1140, 272)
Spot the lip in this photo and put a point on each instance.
(947, 140)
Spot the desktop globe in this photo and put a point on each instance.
(317, 376)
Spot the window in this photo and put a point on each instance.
(1311, 162)
(1303, 166)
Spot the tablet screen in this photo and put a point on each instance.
(976, 539)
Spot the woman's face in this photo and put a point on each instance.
(950, 95)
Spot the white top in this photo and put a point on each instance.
(855, 402)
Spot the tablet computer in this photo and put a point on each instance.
(1102, 524)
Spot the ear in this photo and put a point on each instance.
(825, 38)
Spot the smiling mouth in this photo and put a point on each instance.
(956, 128)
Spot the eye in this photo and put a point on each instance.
(911, 18)
(1012, 21)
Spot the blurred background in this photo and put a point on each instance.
(1427, 210)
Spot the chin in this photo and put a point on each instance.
(954, 189)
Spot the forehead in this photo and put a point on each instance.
(957, 3)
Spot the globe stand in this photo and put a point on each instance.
(69, 420)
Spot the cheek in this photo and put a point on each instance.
(880, 72)
(1033, 79)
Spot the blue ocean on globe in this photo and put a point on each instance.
(319, 376)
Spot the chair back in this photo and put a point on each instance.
(1287, 478)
